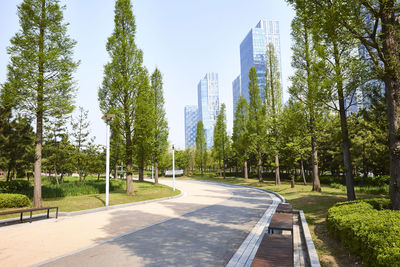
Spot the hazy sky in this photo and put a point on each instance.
(184, 39)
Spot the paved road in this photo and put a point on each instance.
(207, 236)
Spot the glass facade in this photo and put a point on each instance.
(191, 119)
(253, 51)
(236, 92)
(208, 104)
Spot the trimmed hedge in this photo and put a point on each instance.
(371, 233)
(14, 201)
(14, 186)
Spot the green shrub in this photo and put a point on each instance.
(373, 234)
(14, 201)
(14, 186)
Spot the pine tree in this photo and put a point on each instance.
(201, 146)
(256, 122)
(40, 69)
(221, 139)
(143, 134)
(161, 125)
(122, 78)
(273, 102)
(240, 136)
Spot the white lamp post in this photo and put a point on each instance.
(173, 167)
(107, 118)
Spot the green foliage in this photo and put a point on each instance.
(14, 201)
(201, 146)
(240, 138)
(256, 123)
(221, 146)
(143, 134)
(14, 186)
(371, 233)
(160, 123)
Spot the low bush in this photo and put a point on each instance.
(374, 190)
(14, 186)
(14, 201)
(371, 233)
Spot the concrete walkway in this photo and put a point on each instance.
(205, 227)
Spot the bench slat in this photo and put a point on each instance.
(274, 250)
(282, 221)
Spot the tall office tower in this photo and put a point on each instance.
(253, 53)
(208, 104)
(191, 119)
(236, 92)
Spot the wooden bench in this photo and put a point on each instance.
(22, 211)
(284, 208)
(274, 250)
(281, 221)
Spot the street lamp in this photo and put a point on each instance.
(173, 167)
(107, 118)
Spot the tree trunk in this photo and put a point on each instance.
(277, 175)
(155, 172)
(259, 169)
(116, 171)
(392, 93)
(98, 177)
(141, 174)
(314, 161)
(292, 176)
(55, 173)
(246, 175)
(302, 171)
(348, 170)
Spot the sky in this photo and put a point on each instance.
(184, 39)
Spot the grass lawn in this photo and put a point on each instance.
(315, 206)
(143, 191)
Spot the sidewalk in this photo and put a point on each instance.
(28, 244)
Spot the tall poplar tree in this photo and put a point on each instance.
(306, 79)
(201, 145)
(122, 78)
(240, 136)
(143, 133)
(40, 70)
(221, 139)
(256, 122)
(273, 102)
(160, 123)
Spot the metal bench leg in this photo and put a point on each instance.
(57, 213)
(21, 216)
(31, 217)
(48, 211)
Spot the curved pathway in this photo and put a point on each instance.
(205, 227)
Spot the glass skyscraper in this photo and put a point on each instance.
(208, 104)
(191, 119)
(253, 53)
(236, 92)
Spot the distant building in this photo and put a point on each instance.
(191, 119)
(236, 92)
(253, 53)
(208, 104)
